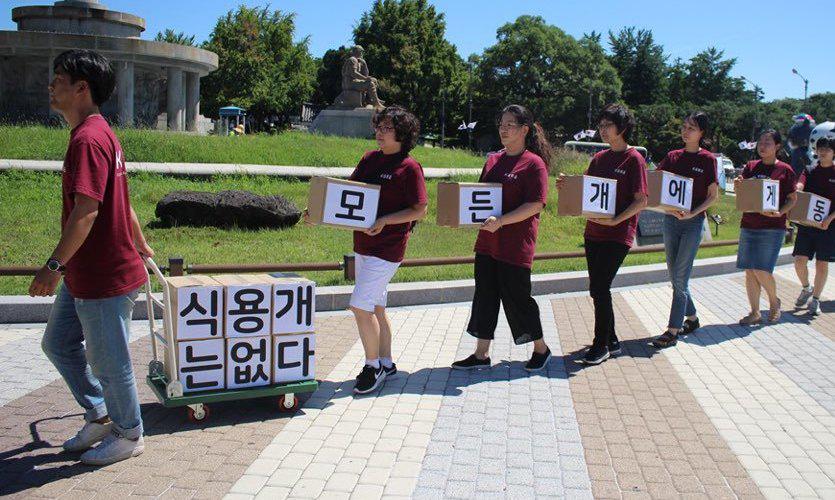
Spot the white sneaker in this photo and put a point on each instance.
(89, 435)
(113, 449)
(803, 298)
(815, 306)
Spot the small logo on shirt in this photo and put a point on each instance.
(620, 171)
(511, 176)
(699, 170)
(120, 164)
(387, 177)
(832, 181)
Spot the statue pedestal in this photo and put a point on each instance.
(344, 122)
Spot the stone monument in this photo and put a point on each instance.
(350, 115)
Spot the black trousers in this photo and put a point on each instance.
(498, 282)
(603, 259)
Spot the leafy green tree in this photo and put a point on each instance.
(329, 76)
(171, 36)
(261, 68)
(641, 65)
(415, 65)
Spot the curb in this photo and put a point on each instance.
(23, 309)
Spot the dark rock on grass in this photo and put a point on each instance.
(227, 209)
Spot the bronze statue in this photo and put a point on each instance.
(358, 87)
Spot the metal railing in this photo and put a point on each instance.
(177, 267)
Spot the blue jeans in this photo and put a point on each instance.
(681, 242)
(87, 341)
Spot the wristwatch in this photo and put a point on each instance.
(55, 265)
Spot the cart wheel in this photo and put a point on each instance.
(156, 368)
(288, 403)
(198, 413)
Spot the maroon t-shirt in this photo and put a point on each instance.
(701, 167)
(780, 171)
(820, 181)
(524, 179)
(630, 170)
(107, 263)
(401, 183)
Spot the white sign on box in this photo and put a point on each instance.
(354, 206)
(248, 310)
(294, 303)
(599, 195)
(248, 362)
(818, 209)
(771, 196)
(476, 204)
(200, 364)
(199, 311)
(676, 191)
(293, 358)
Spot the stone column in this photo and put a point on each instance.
(192, 100)
(125, 90)
(175, 103)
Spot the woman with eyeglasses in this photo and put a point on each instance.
(683, 230)
(380, 249)
(505, 245)
(607, 241)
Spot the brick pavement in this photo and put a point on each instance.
(728, 413)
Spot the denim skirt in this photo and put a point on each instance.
(759, 248)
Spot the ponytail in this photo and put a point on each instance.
(702, 121)
(536, 141)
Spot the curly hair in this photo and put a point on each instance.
(406, 125)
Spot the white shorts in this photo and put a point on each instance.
(373, 276)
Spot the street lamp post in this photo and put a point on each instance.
(805, 85)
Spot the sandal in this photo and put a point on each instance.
(753, 318)
(774, 313)
(666, 339)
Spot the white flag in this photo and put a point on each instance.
(747, 145)
(463, 126)
(471, 125)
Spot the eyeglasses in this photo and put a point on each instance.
(507, 126)
(384, 129)
(603, 125)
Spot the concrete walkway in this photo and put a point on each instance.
(730, 412)
(228, 169)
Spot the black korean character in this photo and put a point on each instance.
(307, 354)
(191, 359)
(770, 195)
(304, 309)
(248, 300)
(194, 305)
(480, 202)
(601, 193)
(351, 201)
(818, 213)
(241, 353)
(677, 188)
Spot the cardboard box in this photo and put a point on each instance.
(200, 365)
(247, 305)
(810, 209)
(468, 204)
(587, 196)
(343, 204)
(668, 191)
(758, 195)
(294, 358)
(196, 307)
(248, 362)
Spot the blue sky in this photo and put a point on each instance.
(767, 37)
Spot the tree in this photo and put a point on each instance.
(329, 76)
(538, 65)
(170, 36)
(708, 78)
(415, 65)
(641, 65)
(261, 68)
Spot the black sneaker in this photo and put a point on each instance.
(471, 363)
(369, 379)
(390, 370)
(538, 361)
(615, 348)
(689, 326)
(596, 355)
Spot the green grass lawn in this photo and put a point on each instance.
(30, 205)
(287, 148)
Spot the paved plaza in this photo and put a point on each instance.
(731, 412)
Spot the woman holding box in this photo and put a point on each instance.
(813, 243)
(683, 230)
(762, 234)
(505, 245)
(380, 249)
(607, 241)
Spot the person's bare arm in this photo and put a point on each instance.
(138, 237)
